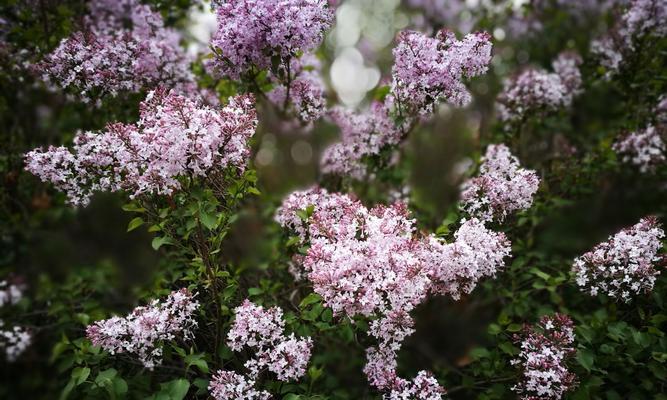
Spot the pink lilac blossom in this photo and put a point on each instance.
(14, 341)
(143, 332)
(642, 18)
(545, 351)
(372, 262)
(10, 293)
(304, 95)
(422, 387)
(324, 205)
(175, 137)
(644, 149)
(262, 331)
(253, 33)
(536, 90)
(624, 265)
(123, 47)
(363, 135)
(476, 253)
(428, 71)
(228, 385)
(501, 188)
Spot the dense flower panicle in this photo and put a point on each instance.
(644, 148)
(228, 385)
(428, 70)
(536, 90)
(364, 270)
(255, 327)
(327, 206)
(371, 262)
(641, 18)
(10, 293)
(624, 265)
(457, 267)
(422, 387)
(251, 33)
(124, 46)
(306, 95)
(262, 330)
(175, 137)
(363, 135)
(501, 188)
(380, 369)
(14, 341)
(143, 331)
(545, 350)
(566, 66)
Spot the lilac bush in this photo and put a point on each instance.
(310, 199)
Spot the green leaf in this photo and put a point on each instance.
(198, 361)
(254, 291)
(133, 207)
(586, 358)
(160, 241)
(479, 352)
(67, 389)
(119, 386)
(135, 223)
(210, 221)
(176, 389)
(80, 374)
(312, 298)
(105, 377)
(293, 241)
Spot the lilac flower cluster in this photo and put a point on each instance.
(372, 263)
(624, 265)
(644, 148)
(545, 350)
(124, 46)
(228, 385)
(175, 137)
(363, 135)
(304, 96)
(536, 90)
(10, 293)
(428, 70)
(642, 18)
(502, 187)
(15, 340)
(322, 203)
(143, 332)
(262, 331)
(253, 33)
